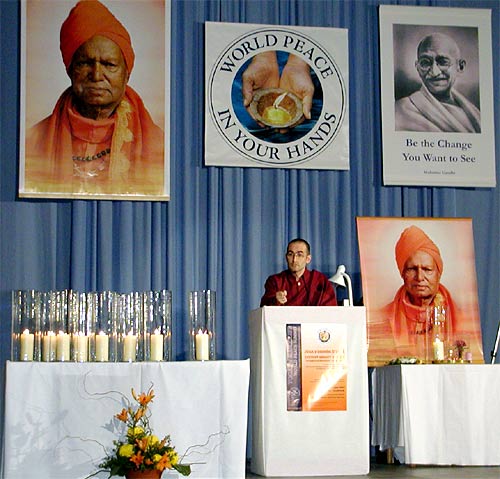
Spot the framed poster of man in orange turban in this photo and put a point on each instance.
(420, 290)
(93, 99)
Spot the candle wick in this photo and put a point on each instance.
(278, 100)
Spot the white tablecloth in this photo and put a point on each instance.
(57, 414)
(307, 443)
(438, 414)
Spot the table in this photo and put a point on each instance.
(442, 414)
(307, 443)
(59, 416)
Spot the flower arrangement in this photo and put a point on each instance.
(404, 360)
(460, 346)
(140, 449)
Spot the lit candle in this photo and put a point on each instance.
(27, 344)
(102, 347)
(81, 347)
(438, 347)
(202, 349)
(62, 346)
(49, 346)
(156, 344)
(129, 344)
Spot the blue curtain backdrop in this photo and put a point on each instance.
(226, 228)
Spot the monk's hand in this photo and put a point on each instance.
(281, 297)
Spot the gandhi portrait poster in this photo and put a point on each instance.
(94, 90)
(420, 289)
(276, 96)
(437, 96)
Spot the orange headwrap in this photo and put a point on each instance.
(87, 19)
(413, 239)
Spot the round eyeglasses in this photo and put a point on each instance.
(443, 63)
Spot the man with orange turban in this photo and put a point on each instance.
(99, 140)
(407, 326)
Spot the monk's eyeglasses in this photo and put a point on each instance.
(291, 254)
(443, 63)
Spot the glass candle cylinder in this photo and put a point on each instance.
(25, 326)
(157, 325)
(423, 337)
(131, 344)
(48, 326)
(103, 317)
(440, 340)
(202, 325)
(60, 313)
(78, 309)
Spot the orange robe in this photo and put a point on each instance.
(68, 154)
(402, 329)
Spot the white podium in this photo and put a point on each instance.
(307, 443)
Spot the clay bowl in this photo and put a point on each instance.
(276, 108)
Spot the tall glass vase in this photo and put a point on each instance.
(103, 317)
(157, 310)
(131, 323)
(79, 310)
(26, 331)
(202, 346)
(440, 341)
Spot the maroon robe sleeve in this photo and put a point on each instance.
(271, 287)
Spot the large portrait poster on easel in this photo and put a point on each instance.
(437, 96)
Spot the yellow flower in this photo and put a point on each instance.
(174, 458)
(135, 431)
(126, 450)
(153, 440)
(156, 458)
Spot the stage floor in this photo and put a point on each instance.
(417, 472)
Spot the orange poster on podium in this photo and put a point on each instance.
(324, 367)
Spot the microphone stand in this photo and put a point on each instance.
(495, 349)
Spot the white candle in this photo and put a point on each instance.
(27, 344)
(62, 346)
(102, 347)
(129, 344)
(438, 347)
(156, 345)
(81, 347)
(202, 349)
(49, 346)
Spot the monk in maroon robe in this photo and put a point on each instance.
(298, 286)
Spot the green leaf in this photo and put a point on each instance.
(184, 469)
